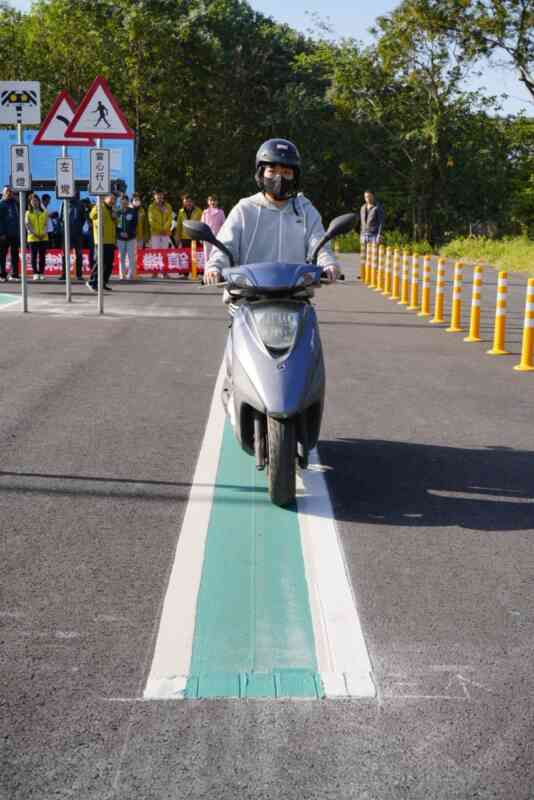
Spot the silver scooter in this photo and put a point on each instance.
(275, 377)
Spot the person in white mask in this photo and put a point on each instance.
(278, 224)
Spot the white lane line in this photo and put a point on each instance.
(172, 655)
(342, 658)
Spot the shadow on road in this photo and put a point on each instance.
(405, 484)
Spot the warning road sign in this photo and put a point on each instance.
(20, 102)
(99, 115)
(53, 129)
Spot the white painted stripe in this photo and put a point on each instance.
(529, 323)
(529, 307)
(501, 312)
(475, 303)
(502, 282)
(172, 654)
(339, 641)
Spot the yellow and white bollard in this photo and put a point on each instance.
(387, 274)
(474, 323)
(425, 294)
(414, 288)
(380, 274)
(374, 265)
(501, 311)
(405, 288)
(527, 349)
(456, 312)
(395, 291)
(439, 303)
(368, 264)
(193, 260)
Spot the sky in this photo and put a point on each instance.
(348, 18)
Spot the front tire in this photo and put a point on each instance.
(282, 442)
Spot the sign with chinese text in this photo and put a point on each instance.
(100, 173)
(65, 178)
(21, 180)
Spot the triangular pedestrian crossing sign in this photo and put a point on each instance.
(99, 115)
(53, 129)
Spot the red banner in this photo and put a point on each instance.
(173, 261)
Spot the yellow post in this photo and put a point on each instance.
(363, 266)
(439, 303)
(387, 275)
(501, 310)
(374, 269)
(194, 263)
(456, 312)
(405, 297)
(474, 323)
(368, 265)
(414, 294)
(395, 292)
(425, 295)
(380, 274)
(527, 350)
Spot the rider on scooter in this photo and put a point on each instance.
(276, 224)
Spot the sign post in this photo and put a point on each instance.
(65, 190)
(100, 185)
(20, 103)
(53, 133)
(99, 115)
(21, 182)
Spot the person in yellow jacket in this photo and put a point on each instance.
(36, 220)
(109, 241)
(160, 223)
(188, 211)
(142, 232)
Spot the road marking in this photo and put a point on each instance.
(259, 603)
(343, 660)
(172, 654)
(9, 299)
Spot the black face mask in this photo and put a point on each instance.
(279, 187)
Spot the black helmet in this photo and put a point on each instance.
(277, 151)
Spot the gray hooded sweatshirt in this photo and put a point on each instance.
(257, 230)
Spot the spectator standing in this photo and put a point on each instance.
(214, 217)
(37, 226)
(371, 222)
(188, 211)
(126, 241)
(9, 234)
(160, 223)
(109, 241)
(142, 233)
(45, 202)
(87, 233)
(77, 218)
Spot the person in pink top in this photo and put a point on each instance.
(214, 217)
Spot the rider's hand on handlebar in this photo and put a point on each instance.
(331, 273)
(212, 276)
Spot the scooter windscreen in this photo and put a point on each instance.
(272, 277)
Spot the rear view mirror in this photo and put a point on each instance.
(201, 232)
(339, 225)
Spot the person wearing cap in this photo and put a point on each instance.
(278, 223)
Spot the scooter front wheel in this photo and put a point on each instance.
(282, 444)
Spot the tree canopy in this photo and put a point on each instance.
(204, 82)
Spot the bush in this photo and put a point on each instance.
(350, 243)
(511, 253)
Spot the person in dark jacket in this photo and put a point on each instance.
(126, 237)
(77, 217)
(371, 221)
(9, 234)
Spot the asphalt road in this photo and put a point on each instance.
(430, 446)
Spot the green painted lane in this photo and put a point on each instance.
(5, 299)
(253, 634)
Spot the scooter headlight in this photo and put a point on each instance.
(277, 325)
